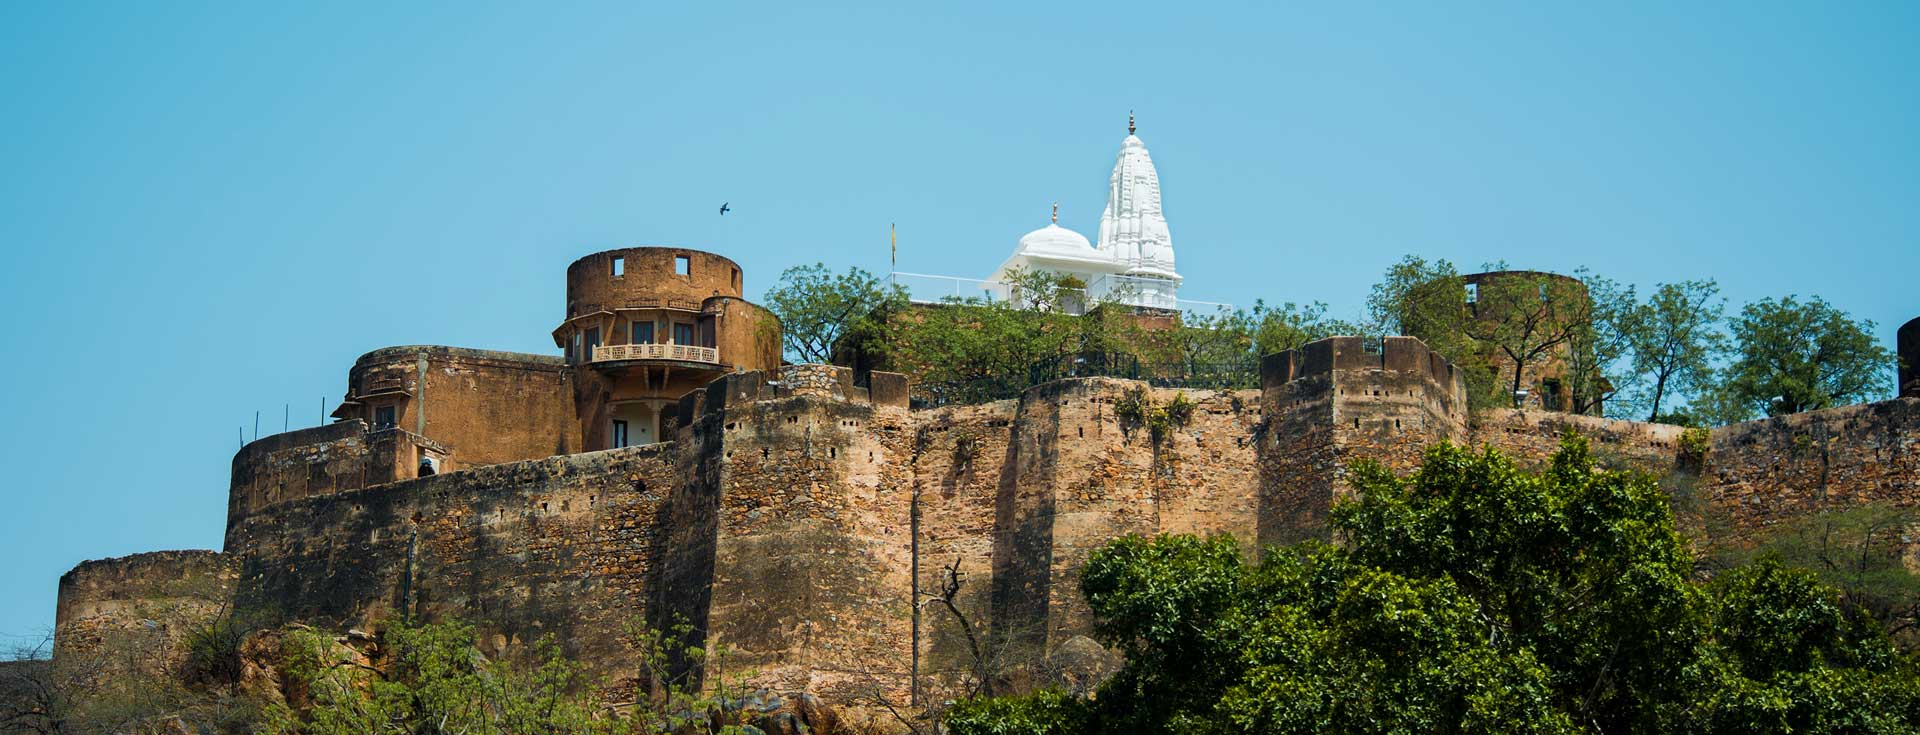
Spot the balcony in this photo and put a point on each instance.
(682, 353)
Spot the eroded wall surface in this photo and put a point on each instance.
(1762, 472)
(803, 522)
(132, 615)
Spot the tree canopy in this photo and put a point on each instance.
(817, 308)
(1675, 337)
(1791, 356)
(1472, 596)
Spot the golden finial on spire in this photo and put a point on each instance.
(1056, 213)
(1130, 127)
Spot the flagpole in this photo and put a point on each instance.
(893, 255)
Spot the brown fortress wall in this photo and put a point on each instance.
(132, 615)
(1339, 400)
(1761, 472)
(1534, 434)
(648, 274)
(810, 584)
(960, 478)
(485, 407)
(796, 518)
(777, 525)
(748, 334)
(462, 408)
(558, 546)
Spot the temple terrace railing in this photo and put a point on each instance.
(688, 353)
(1148, 293)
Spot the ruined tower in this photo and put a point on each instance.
(1909, 344)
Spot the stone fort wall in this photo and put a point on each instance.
(131, 616)
(798, 518)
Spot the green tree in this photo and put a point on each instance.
(817, 308)
(430, 679)
(1289, 326)
(1527, 318)
(1791, 356)
(1428, 300)
(1675, 337)
(1421, 299)
(1471, 596)
(1859, 551)
(1599, 366)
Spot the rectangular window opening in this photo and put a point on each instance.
(619, 266)
(682, 265)
(682, 333)
(619, 433)
(643, 333)
(384, 417)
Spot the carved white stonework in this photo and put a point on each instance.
(1133, 229)
(1133, 262)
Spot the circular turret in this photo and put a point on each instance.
(1499, 295)
(1909, 345)
(646, 326)
(648, 277)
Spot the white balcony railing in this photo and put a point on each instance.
(687, 353)
(1152, 293)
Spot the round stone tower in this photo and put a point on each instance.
(1497, 295)
(1909, 339)
(644, 327)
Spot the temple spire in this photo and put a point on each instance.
(1133, 230)
(1130, 127)
(1056, 213)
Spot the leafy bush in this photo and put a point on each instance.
(1473, 597)
(1046, 712)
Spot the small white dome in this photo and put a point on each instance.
(1054, 241)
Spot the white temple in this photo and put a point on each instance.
(1133, 264)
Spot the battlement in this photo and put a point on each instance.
(325, 460)
(830, 382)
(1401, 356)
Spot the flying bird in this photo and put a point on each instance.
(724, 208)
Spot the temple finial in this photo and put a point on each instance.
(1056, 213)
(1130, 127)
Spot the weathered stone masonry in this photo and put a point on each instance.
(796, 518)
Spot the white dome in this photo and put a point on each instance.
(1054, 241)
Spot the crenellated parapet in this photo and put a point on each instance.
(1342, 399)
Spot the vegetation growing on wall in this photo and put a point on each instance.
(1136, 408)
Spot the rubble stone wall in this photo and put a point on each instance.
(1761, 472)
(802, 522)
(132, 615)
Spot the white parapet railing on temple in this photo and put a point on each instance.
(1151, 293)
(927, 289)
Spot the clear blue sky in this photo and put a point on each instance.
(211, 210)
